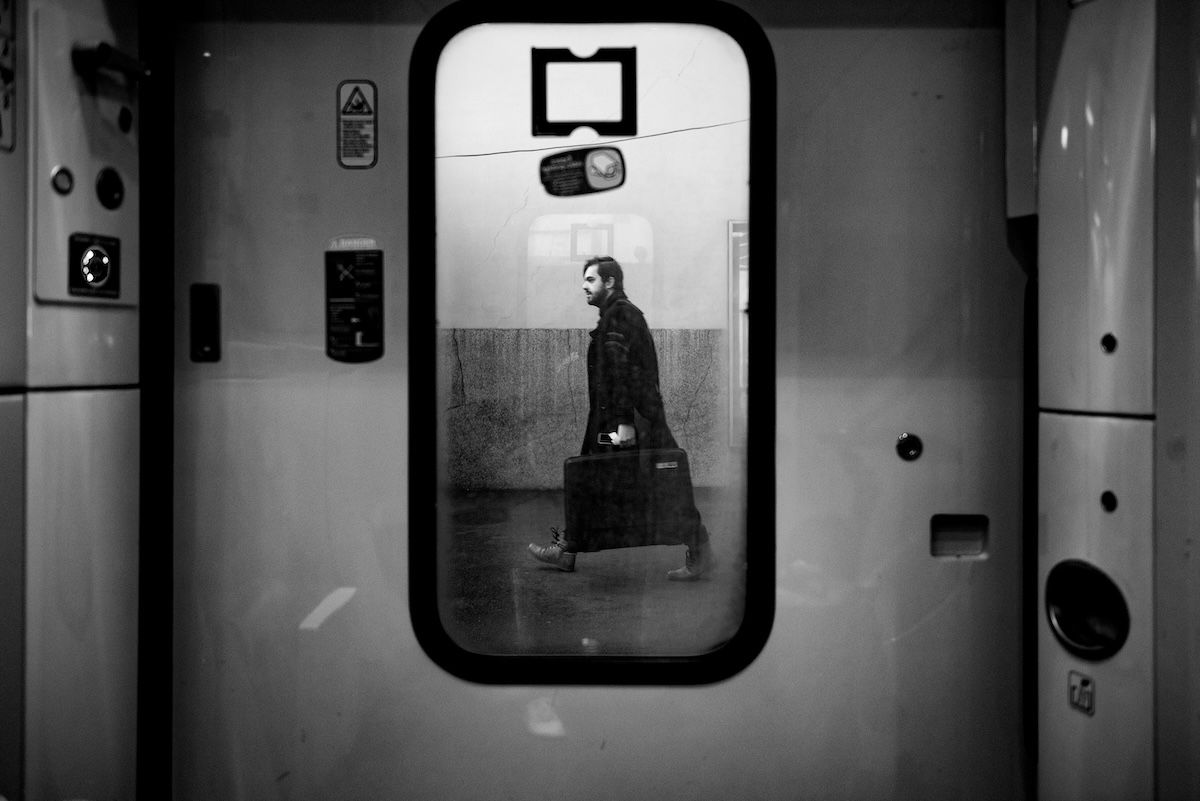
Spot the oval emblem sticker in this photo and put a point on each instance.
(581, 172)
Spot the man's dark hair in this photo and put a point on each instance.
(607, 267)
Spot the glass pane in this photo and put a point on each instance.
(591, 326)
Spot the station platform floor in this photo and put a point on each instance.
(497, 599)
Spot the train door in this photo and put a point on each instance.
(892, 665)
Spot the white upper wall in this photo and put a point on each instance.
(505, 244)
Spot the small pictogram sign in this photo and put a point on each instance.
(1081, 692)
(357, 124)
(357, 103)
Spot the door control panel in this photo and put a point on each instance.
(84, 101)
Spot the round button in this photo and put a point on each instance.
(62, 181)
(95, 265)
(110, 188)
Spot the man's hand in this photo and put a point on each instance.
(625, 436)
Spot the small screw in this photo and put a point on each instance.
(909, 446)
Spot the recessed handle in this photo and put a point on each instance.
(90, 59)
(205, 322)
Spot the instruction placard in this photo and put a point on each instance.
(354, 305)
(357, 124)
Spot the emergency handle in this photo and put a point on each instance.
(90, 59)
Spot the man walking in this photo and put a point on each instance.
(625, 407)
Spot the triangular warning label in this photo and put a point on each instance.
(357, 103)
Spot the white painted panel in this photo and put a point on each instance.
(1108, 754)
(81, 594)
(1095, 207)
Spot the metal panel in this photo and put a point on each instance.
(78, 124)
(1177, 379)
(1020, 96)
(82, 597)
(1105, 752)
(13, 203)
(1095, 207)
(12, 590)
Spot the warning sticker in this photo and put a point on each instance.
(357, 124)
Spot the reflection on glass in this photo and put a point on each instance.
(604, 325)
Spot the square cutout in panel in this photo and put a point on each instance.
(958, 535)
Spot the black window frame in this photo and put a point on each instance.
(735, 654)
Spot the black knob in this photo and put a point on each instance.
(110, 188)
(909, 446)
(95, 265)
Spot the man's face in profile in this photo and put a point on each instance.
(593, 286)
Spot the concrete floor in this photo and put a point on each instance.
(496, 599)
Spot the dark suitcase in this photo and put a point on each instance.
(627, 498)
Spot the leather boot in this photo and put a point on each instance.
(553, 554)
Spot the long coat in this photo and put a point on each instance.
(623, 378)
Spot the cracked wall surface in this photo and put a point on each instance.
(515, 403)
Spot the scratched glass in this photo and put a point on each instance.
(536, 173)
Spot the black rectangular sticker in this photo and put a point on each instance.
(205, 322)
(354, 305)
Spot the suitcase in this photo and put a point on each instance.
(628, 498)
